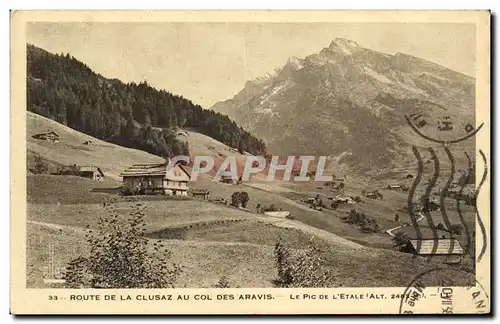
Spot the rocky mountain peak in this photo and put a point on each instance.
(295, 62)
(316, 105)
(346, 46)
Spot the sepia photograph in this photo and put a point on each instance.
(246, 153)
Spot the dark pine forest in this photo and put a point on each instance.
(133, 115)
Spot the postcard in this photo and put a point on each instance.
(250, 162)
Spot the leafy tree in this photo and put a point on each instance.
(119, 257)
(241, 147)
(400, 240)
(244, 198)
(40, 165)
(236, 199)
(76, 273)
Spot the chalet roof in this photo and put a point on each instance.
(342, 197)
(226, 176)
(443, 246)
(157, 169)
(47, 133)
(145, 170)
(200, 191)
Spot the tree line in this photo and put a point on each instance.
(134, 115)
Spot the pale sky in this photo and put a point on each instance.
(210, 62)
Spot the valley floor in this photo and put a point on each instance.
(211, 240)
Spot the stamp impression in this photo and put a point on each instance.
(443, 126)
(446, 298)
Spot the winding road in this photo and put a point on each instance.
(389, 231)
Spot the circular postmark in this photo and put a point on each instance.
(450, 296)
(444, 131)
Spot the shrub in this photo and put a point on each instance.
(302, 269)
(126, 191)
(40, 165)
(456, 229)
(244, 198)
(236, 199)
(223, 283)
(258, 208)
(367, 225)
(271, 208)
(370, 226)
(68, 170)
(78, 274)
(119, 257)
(400, 240)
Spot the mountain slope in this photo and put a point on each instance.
(111, 158)
(134, 115)
(352, 100)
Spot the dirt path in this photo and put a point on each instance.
(314, 231)
(57, 226)
(389, 231)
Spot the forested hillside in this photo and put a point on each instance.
(134, 115)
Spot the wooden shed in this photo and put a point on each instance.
(201, 193)
(50, 136)
(92, 172)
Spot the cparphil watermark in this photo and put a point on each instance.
(229, 167)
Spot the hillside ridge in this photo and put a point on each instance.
(66, 90)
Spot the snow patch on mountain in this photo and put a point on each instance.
(265, 104)
(382, 78)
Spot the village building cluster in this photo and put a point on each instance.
(171, 178)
